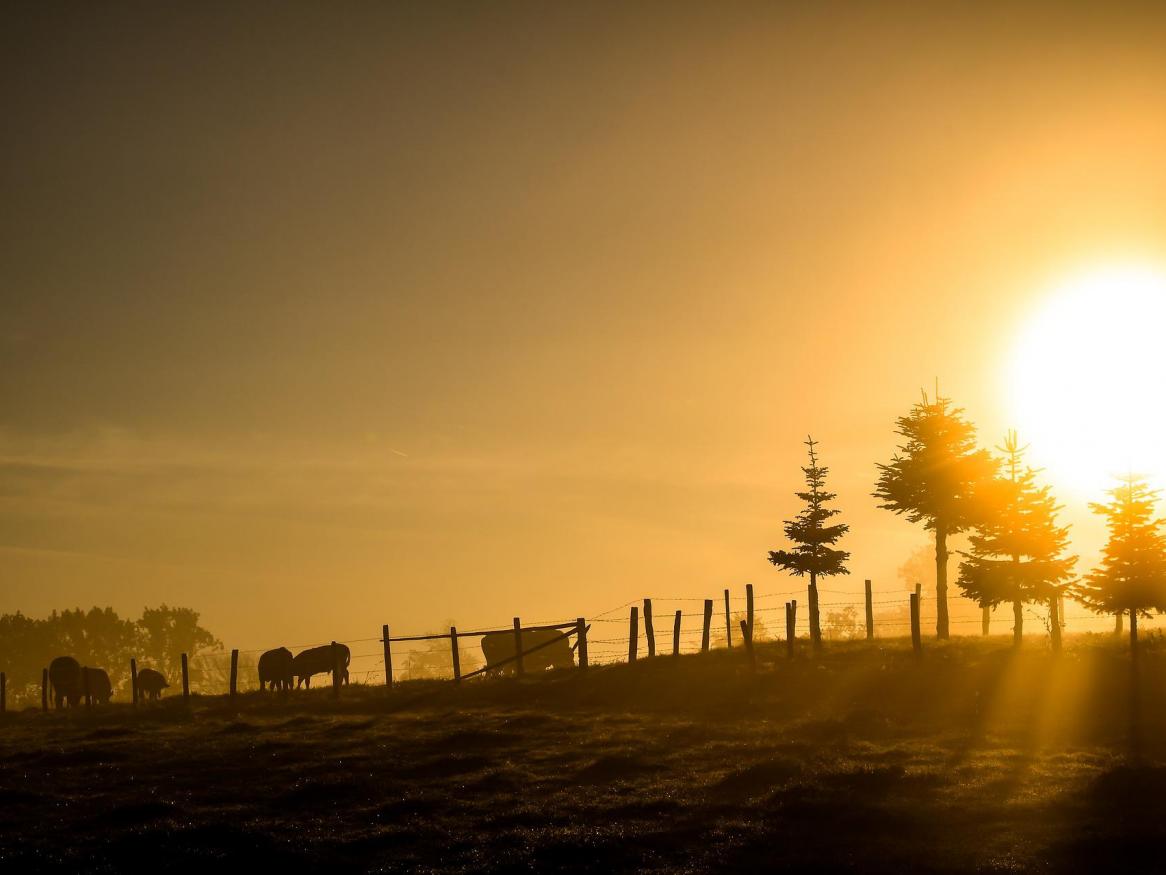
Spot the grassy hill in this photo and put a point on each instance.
(974, 758)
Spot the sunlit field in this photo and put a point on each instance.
(973, 758)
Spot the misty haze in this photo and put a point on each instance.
(640, 437)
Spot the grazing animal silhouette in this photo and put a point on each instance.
(275, 668)
(151, 682)
(65, 677)
(318, 660)
(96, 681)
(499, 646)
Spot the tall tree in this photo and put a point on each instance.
(99, 638)
(813, 552)
(166, 633)
(1017, 551)
(1131, 577)
(934, 479)
(25, 645)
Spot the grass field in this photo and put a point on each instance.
(974, 758)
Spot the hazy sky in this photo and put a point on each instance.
(325, 317)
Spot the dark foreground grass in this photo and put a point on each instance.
(973, 759)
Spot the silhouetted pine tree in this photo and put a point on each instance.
(1132, 574)
(1017, 550)
(934, 478)
(813, 553)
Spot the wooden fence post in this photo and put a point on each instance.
(134, 681)
(3, 693)
(789, 630)
(86, 693)
(334, 652)
(919, 600)
(728, 623)
(869, 613)
(676, 635)
(235, 673)
(815, 618)
(649, 628)
(519, 669)
(916, 640)
(633, 634)
(185, 678)
(749, 607)
(708, 621)
(985, 621)
(457, 657)
(747, 637)
(388, 656)
(44, 689)
(793, 622)
(581, 640)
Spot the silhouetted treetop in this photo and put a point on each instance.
(166, 633)
(98, 638)
(812, 538)
(1017, 551)
(937, 471)
(935, 478)
(1131, 575)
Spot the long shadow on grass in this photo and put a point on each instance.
(873, 820)
(1116, 824)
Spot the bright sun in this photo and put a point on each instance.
(1087, 379)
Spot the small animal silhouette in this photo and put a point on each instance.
(318, 660)
(95, 681)
(499, 646)
(151, 682)
(275, 668)
(65, 678)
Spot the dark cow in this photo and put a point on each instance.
(65, 677)
(318, 660)
(151, 682)
(275, 668)
(499, 646)
(95, 682)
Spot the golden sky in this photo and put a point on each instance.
(317, 318)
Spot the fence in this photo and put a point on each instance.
(874, 616)
(691, 630)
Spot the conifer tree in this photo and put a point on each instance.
(813, 552)
(1017, 551)
(1131, 577)
(934, 478)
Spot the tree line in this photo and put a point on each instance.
(101, 638)
(1018, 553)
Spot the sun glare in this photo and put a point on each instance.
(1087, 377)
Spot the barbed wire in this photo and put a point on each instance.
(613, 649)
